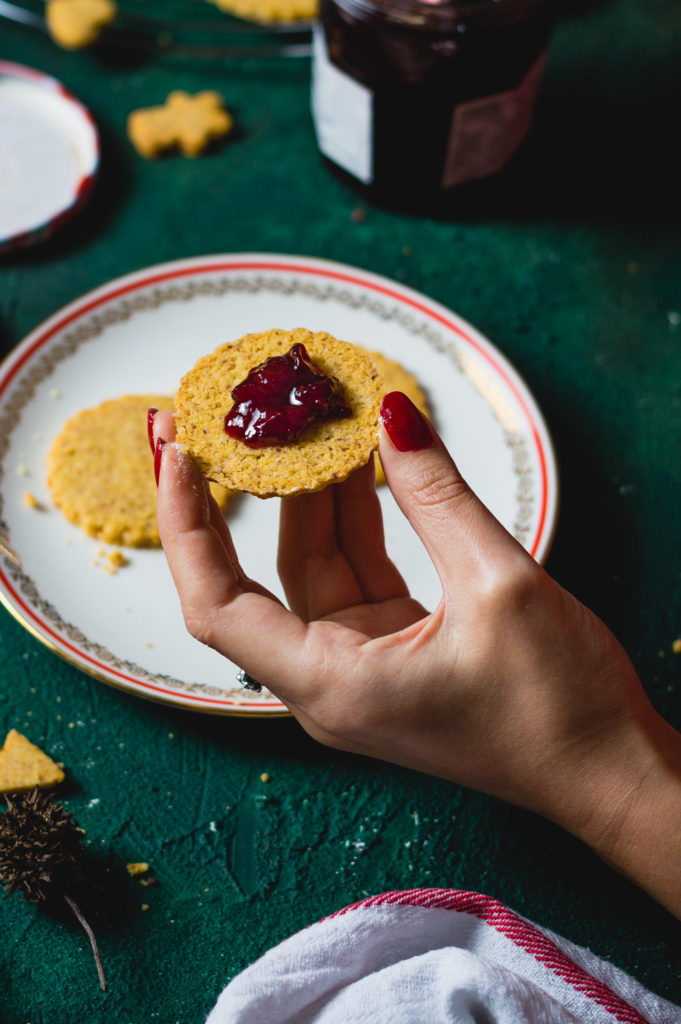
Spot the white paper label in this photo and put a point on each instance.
(342, 109)
(486, 132)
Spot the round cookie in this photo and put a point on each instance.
(100, 471)
(395, 378)
(325, 453)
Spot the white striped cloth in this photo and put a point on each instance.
(434, 956)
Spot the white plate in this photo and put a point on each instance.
(139, 334)
(49, 154)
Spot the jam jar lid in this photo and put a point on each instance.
(443, 15)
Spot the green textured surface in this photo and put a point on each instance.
(572, 271)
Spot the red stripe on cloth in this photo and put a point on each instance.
(524, 934)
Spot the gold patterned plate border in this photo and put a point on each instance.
(138, 334)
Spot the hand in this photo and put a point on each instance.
(510, 685)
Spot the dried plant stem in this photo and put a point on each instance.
(93, 941)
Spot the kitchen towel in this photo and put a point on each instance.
(434, 956)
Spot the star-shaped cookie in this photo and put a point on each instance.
(74, 24)
(185, 122)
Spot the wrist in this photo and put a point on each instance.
(626, 804)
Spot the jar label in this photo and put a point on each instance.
(486, 132)
(342, 110)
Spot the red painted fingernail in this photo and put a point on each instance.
(405, 425)
(151, 413)
(160, 445)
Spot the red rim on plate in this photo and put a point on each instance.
(49, 155)
(281, 275)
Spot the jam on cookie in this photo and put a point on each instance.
(281, 398)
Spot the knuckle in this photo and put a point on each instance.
(440, 490)
(199, 626)
(513, 588)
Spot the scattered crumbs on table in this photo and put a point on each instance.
(676, 646)
(147, 881)
(358, 215)
(117, 559)
(207, 889)
(121, 745)
(633, 267)
(125, 608)
(55, 393)
(406, 250)
(137, 868)
(59, 718)
(145, 906)
(31, 501)
(171, 735)
(22, 470)
(93, 803)
(264, 777)
(33, 690)
(28, 714)
(58, 700)
(72, 725)
(660, 654)
(673, 318)
(150, 646)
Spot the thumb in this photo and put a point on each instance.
(459, 533)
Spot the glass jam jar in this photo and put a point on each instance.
(414, 98)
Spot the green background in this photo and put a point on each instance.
(571, 265)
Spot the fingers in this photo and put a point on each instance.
(332, 551)
(221, 607)
(361, 539)
(461, 535)
(315, 574)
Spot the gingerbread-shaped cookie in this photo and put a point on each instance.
(188, 123)
(296, 452)
(74, 24)
(269, 11)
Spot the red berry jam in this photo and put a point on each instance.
(281, 397)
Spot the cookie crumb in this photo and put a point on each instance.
(358, 215)
(676, 646)
(145, 906)
(137, 868)
(264, 777)
(22, 470)
(23, 765)
(55, 393)
(31, 501)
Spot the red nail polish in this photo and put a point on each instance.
(405, 425)
(160, 445)
(151, 413)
